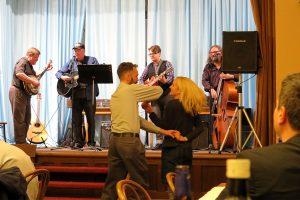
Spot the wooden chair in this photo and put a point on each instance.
(43, 178)
(170, 180)
(126, 188)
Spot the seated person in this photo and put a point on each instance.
(275, 170)
(13, 184)
(12, 156)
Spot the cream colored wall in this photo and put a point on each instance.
(287, 19)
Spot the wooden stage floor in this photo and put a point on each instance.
(208, 169)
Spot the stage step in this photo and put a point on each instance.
(72, 169)
(71, 182)
(77, 184)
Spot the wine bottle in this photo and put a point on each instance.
(238, 173)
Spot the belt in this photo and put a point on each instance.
(126, 134)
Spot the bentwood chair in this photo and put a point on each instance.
(43, 179)
(170, 180)
(129, 189)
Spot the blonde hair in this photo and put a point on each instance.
(191, 96)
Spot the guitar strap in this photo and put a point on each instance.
(157, 68)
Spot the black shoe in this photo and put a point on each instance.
(77, 146)
(157, 147)
(91, 144)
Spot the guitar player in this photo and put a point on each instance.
(81, 97)
(18, 97)
(154, 69)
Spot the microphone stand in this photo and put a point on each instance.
(72, 101)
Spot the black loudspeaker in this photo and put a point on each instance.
(201, 142)
(240, 52)
(105, 133)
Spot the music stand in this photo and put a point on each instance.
(96, 73)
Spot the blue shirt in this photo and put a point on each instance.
(72, 65)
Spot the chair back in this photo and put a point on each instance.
(129, 188)
(170, 180)
(43, 179)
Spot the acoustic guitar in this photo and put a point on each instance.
(65, 88)
(155, 80)
(37, 133)
(31, 89)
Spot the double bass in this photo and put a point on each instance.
(227, 102)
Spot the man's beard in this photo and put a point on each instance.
(217, 58)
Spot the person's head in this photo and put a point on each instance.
(154, 53)
(189, 94)
(79, 51)
(215, 54)
(128, 72)
(287, 111)
(32, 55)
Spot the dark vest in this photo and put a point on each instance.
(162, 68)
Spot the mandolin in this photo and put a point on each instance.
(37, 133)
(31, 89)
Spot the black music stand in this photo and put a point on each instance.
(97, 73)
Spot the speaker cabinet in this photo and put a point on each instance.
(105, 133)
(201, 142)
(240, 52)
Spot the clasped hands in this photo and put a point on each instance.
(177, 135)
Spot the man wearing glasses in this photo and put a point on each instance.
(151, 72)
(212, 71)
(82, 97)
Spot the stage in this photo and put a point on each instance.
(208, 168)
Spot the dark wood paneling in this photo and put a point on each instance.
(208, 170)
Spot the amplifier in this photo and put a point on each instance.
(103, 103)
(100, 103)
(105, 133)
